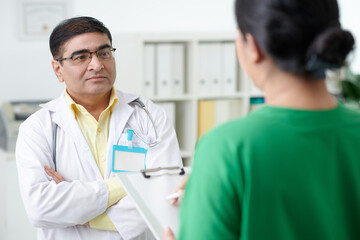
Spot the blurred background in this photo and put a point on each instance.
(25, 62)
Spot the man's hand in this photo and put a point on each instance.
(58, 179)
(55, 175)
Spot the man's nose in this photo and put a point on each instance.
(95, 62)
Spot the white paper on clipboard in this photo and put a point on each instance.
(149, 195)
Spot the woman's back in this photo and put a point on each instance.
(290, 170)
(277, 174)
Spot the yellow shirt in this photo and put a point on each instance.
(96, 134)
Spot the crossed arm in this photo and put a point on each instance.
(58, 179)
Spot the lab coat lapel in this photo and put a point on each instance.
(119, 118)
(65, 119)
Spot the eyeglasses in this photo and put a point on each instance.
(84, 56)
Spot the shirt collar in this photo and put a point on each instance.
(77, 107)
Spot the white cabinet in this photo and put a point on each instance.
(197, 73)
(14, 223)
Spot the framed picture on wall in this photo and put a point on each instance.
(39, 17)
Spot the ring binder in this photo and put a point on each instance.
(154, 170)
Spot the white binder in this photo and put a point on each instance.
(149, 70)
(178, 68)
(203, 84)
(229, 78)
(215, 68)
(149, 195)
(164, 69)
(228, 109)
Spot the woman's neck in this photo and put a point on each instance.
(287, 90)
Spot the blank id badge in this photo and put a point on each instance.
(128, 159)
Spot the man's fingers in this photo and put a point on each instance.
(58, 176)
(51, 173)
(55, 175)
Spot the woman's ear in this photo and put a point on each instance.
(250, 56)
(253, 51)
(57, 69)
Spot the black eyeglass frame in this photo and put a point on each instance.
(83, 51)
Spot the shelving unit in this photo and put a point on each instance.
(132, 66)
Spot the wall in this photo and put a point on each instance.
(25, 69)
(25, 66)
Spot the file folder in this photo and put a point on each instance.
(215, 112)
(215, 68)
(149, 70)
(178, 68)
(164, 69)
(206, 116)
(203, 84)
(229, 109)
(229, 78)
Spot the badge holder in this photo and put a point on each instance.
(128, 158)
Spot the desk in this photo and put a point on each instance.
(14, 223)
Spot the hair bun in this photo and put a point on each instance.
(332, 46)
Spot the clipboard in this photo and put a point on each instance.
(149, 189)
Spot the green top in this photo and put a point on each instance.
(277, 174)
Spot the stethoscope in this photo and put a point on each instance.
(136, 102)
(140, 104)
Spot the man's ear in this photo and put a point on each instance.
(57, 69)
(254, 52)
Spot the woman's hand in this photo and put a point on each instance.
(168, 234)
(180, 189)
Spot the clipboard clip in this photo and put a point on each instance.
(167, 170)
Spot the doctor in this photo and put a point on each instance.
(80, 200)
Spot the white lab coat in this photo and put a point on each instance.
(59, 210)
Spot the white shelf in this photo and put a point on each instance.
(131, 78)
(173, 98)
(221, 96)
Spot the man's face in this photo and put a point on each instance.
(93, 78)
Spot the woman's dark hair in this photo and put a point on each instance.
(72, 27)
(303, 37)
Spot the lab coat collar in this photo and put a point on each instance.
(64, 118)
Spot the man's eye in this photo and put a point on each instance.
(80, 57)
(105, 54)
